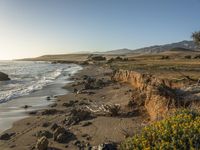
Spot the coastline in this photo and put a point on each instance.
(20, 107)
(92, 131)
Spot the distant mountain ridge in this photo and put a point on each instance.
(156, 48)
(118, 51)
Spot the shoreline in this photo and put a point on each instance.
(90, 131)
(19, 108)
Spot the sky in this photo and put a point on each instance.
(30, 28)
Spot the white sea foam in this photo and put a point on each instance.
(28, 77)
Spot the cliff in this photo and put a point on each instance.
(160, 97)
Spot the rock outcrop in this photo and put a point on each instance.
(160, 97)
(61, 135)
(42, 144)
(4, 77)
(44, 133)
(6, 136)
(77, 115)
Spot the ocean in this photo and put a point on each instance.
(31, 83)
(28, 77)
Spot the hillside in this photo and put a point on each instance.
(166, 47)
(61, 57)
(189, 45)
(117, 52)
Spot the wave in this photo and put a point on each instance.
(24, 88)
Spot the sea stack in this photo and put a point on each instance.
(4, 77)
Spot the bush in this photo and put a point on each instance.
(118, 58)
(196, 37)
(165, 57)
(98, 58)
(187, 57)
(197, 57)
(180, 131)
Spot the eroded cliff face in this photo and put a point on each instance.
(160, 97)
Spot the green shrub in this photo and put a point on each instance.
(165, 57)
(179, 131)
(188, 57)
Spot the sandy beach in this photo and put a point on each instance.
(93, 130)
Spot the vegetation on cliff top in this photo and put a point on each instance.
(179, 131)
(196, 37)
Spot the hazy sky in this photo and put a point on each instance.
(30, 28)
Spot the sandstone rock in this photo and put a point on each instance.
(46, 124)
(62, 138)
(53, 105)
(6, 136)
(93, 83)
(83, 103)
(81, 145)
(50, 112)
(4, 77)
(42, 143)
(76, 142)
(86, 124)
(33, 113)
(54, 126)
(44, 133)
(105, 146)
(77, 115)
(58, 131)
(69, 104)
(61, 135)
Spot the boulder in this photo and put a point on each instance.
(54, 126)
(26, 106)
(62, 138)
(105, 146)
(69, 104)
(46, 124)
(61, 135)
(53, 105)
(92, 83)
(6, 136)
(44, 133)
(42, 143)
(50, 112)
(77, 115)
(4, 77)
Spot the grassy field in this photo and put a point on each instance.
(176, 67)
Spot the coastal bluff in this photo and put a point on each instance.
(4, 77)
(160, 97)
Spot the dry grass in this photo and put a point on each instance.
(174, 68)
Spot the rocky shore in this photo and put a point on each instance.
(95, 115)
(103, 108)
(4, 77)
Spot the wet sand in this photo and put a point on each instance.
(14, 110)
